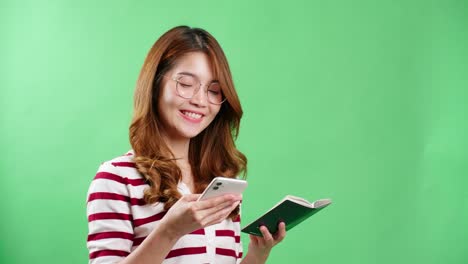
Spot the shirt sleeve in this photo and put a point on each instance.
(237, 223)
(110, 230)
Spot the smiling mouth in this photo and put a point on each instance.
(192, 115)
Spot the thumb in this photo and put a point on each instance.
(191, 197)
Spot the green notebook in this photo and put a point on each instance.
(291, 210)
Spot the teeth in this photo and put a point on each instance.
(192, 115)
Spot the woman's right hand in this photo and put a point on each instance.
(188, 214)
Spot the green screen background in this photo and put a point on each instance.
(364, 102)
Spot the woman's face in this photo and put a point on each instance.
(183, 118)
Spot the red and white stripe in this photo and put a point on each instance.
(119, 221)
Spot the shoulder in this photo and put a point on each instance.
(118, 172)
(123, 166)
(125, 160)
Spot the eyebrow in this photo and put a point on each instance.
(193, 75)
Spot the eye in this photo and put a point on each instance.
(186, 81)
(214, 92)
(214, 89)
(185, 85)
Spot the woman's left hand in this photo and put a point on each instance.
(260, 247)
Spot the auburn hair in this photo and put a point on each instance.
(212, 152)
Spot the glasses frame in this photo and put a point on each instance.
(200, 84)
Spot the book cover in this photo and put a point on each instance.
(291, 210)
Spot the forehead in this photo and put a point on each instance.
(195, 63)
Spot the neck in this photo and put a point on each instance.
(179, 148)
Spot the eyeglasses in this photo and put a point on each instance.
(187, 86)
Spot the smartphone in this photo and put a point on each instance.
(223, 185)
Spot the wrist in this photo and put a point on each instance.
(253, 257)
(165, 230)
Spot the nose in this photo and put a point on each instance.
(200, 97)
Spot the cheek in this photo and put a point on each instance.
(167, 101)
(214, 111)
(165, 107)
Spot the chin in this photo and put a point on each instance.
(190, 134)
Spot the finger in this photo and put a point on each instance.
(220, 215)
(281, 234)
(215, 218)
(253, 239)
(212, 202)
(200, 214)
(266, 235)
(226, 205)
(190, 197)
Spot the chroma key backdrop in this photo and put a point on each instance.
(364, 102)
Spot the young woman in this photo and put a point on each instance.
(142, 207)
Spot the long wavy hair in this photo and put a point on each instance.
(212, 152)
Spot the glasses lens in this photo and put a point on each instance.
(185, 86)
(215, 94)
